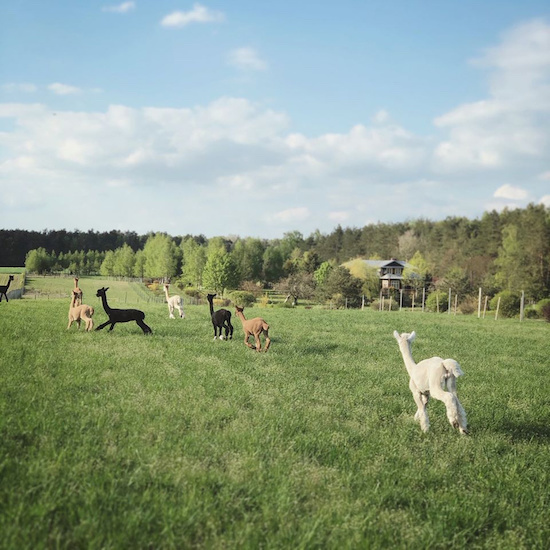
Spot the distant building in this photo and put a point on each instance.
(390, 272)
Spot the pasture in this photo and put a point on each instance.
(120, 440)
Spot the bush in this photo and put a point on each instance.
(540, 306)
(192, 292)
(242, 298)
(431, 301)
(468, 305)
(546, 312)
(509, 303)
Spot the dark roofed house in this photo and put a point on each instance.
(390, 272)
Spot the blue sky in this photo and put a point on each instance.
(256, 118)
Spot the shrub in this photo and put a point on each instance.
(192, 292)
(468, 305)
(546, 312)
(540, 306)
(431, 301)
(242, 298)
(509, 303)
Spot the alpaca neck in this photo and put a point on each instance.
(73, 300)
(211, 302)
(105, 304)
(405, 349)
(166, 294)
(240, 315)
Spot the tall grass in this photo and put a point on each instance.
(119, 440)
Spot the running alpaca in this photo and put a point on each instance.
(220, 319)
(254, 327)
(77, 292)
(80, 312)
(4, 289)
(174, 302)
(121, 315)
(428, 378)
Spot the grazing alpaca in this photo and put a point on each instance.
(428, 378)
(174, 302)
(80, 312)
(4, 289)
(220, 319)
(121, 315)
(254, 327)
(77, 292)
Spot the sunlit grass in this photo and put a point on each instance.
(120, 440)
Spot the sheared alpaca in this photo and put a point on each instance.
(174, 302)
(220, 319)
(4, 289)
(254, 327)
(77, 292)
(428, 378)
(80, 312)
(121, 315)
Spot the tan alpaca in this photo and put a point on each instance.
(80, 312)
(254, 327)
(77, 292)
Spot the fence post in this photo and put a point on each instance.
(449, 304)
(423, 298)
(437, 300)
(479, 304)
(363, 302)
(456, 302)
(522, 306)
(389, 307)
(498, 307)
(400, 299)
(485, 306)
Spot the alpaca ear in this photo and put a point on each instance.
(412, 336)
(396, 335)
(106, 289)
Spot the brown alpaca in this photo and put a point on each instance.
(77, 292)
(254, 327)
(80, 312)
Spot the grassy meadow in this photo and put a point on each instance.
(119, 440)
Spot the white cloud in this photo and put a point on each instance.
(23, 87)
(292, 215)
(246, 59)
(199, 14)
(545, 176)
(338, 217)
(63, 89)
(125, 7)
(510, 192)
(511, 125)
(545, 200)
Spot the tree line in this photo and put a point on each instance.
(508, 250)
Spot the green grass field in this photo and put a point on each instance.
(119, 440)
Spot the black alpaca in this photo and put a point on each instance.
(4, 289)
(121, 315)
(220, 319)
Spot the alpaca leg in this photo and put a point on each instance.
(182, 314)
(421, 401)
(246, 336)
(112, 327)
(230, 330)
(258, 342)
(267, 340)
(103, 325)
(144, 327)
(171, 310)
(452, 406)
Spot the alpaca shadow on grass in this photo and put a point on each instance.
(525, 431)
(318, 349)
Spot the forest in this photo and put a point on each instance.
(500, 251)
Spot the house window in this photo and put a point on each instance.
(395, 284)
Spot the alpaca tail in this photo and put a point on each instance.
(265, 326)
(452, 367)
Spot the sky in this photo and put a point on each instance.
(253, 119)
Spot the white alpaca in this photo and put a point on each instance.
(428, 378)
(174, 302)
